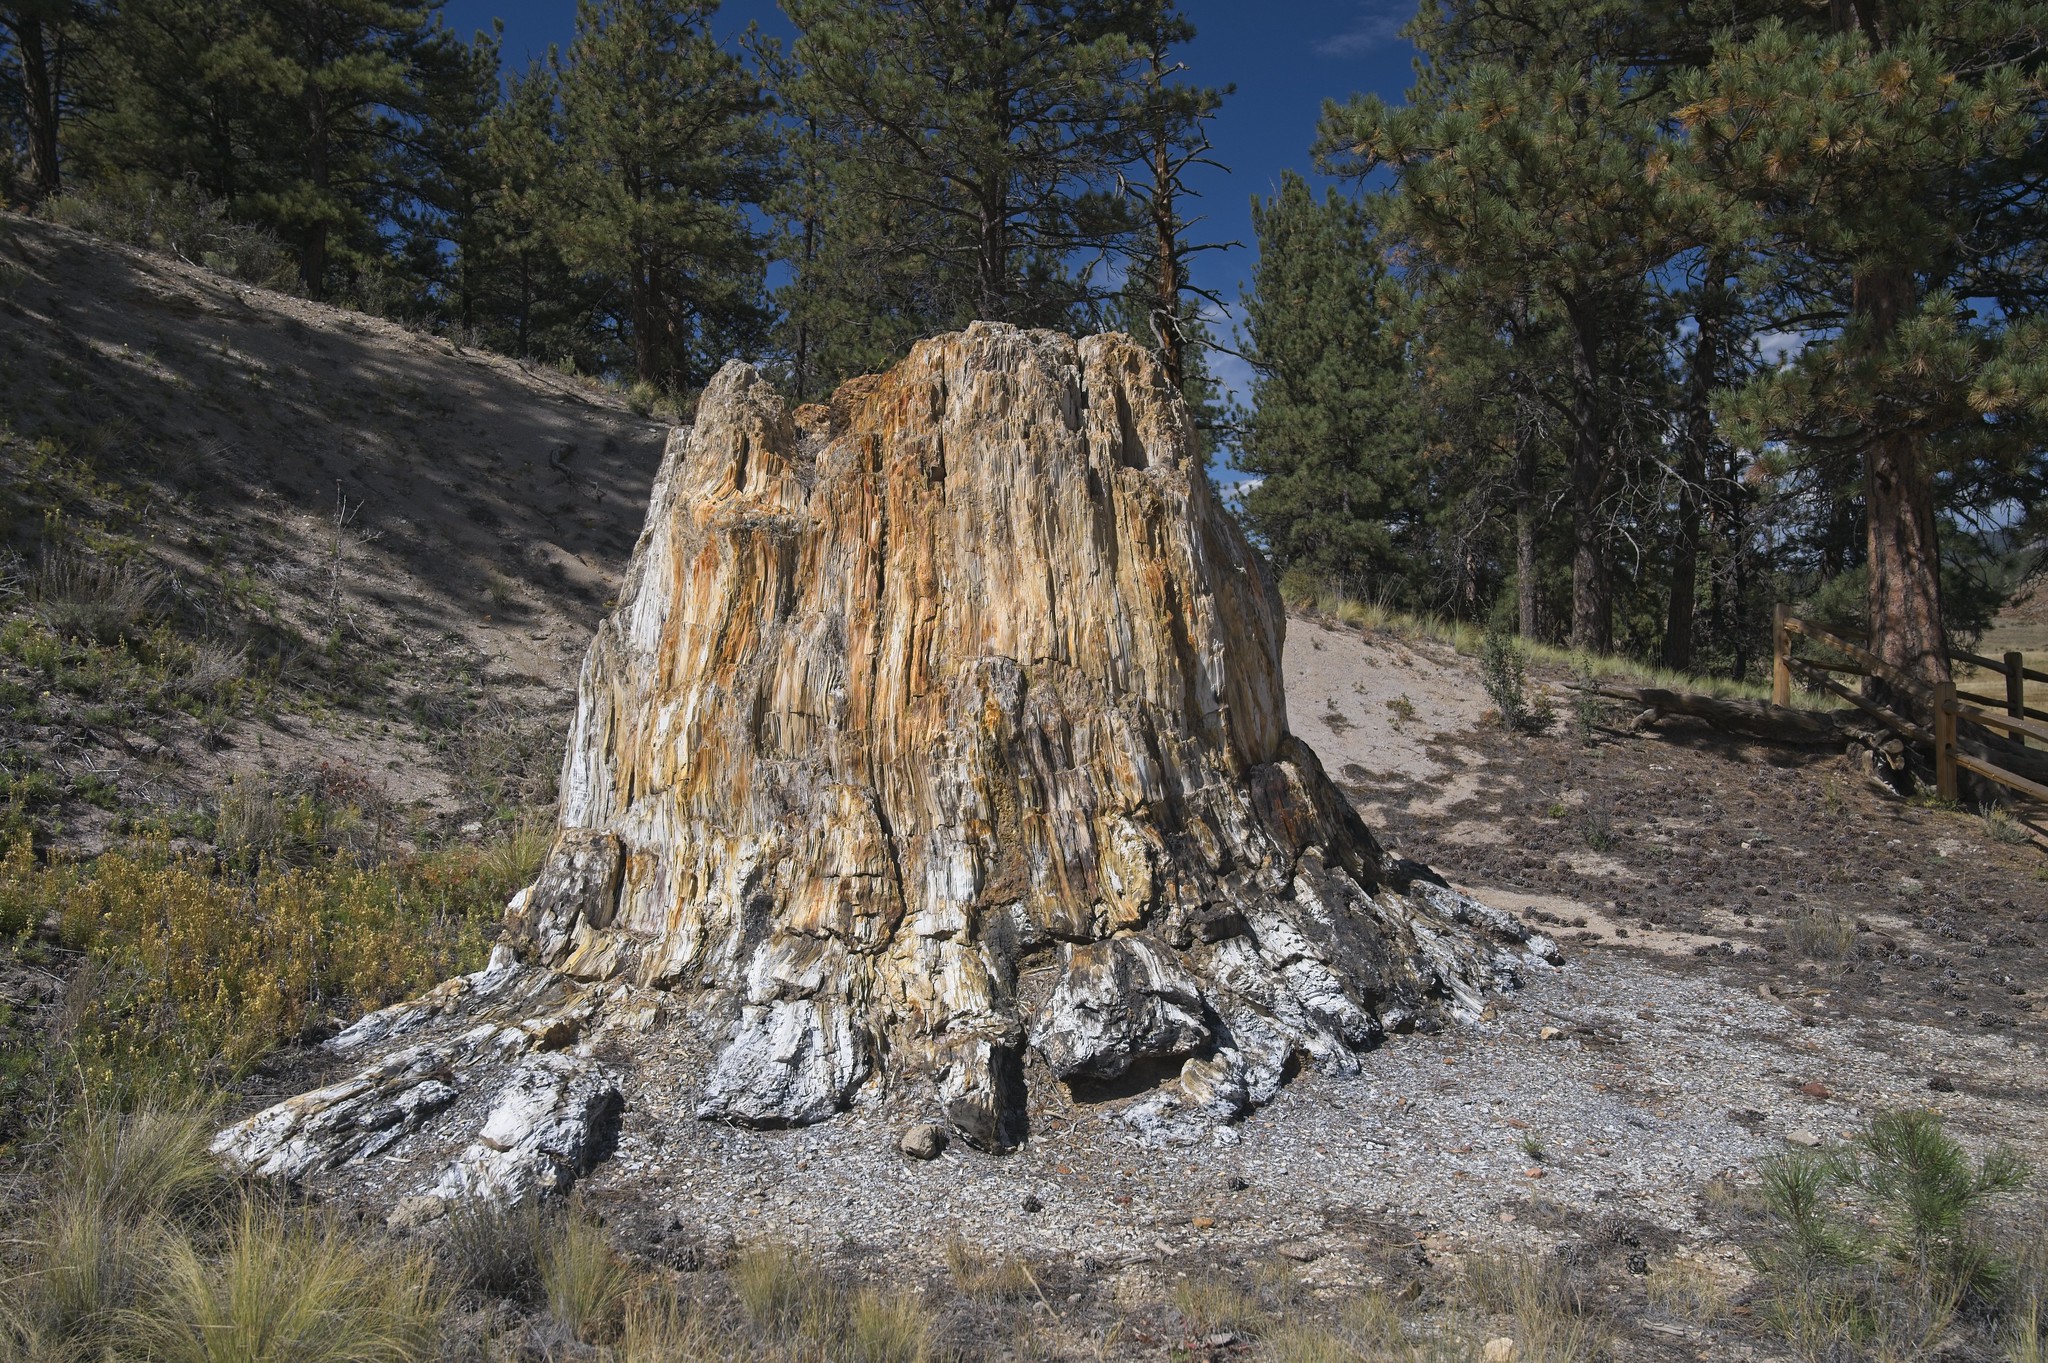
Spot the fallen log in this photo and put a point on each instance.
(1752, 719)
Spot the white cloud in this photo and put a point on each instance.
(1377, 22)
(1780, 348)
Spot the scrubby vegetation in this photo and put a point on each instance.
(183, 968)
(134, 1246)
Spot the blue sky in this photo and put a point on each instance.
(1284, 56)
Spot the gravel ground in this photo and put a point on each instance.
(1652, 1082)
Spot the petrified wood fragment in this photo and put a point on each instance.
(943, 727)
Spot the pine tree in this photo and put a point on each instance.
(337, 85)
(448, 179)
(661, 147)
(167, 105)
(528, 300)
(1888, 172)
(1173, 121)
(1331, 436)
(39, 41)
(287, 110)
(1528, 181)
(963, 162)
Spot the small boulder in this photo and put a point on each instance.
(414, 1212)
(1499, 1349)
(925, 1140)
(1802, 1138)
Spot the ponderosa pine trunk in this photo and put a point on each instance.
(1901, 537)
(1525, 529)
(39, 104)
(1592, 592)
(646, 344)
(992, 257)
(1166, 304)
(1166, 248)
(313, 258)
(1526, 456)
(1699, 435)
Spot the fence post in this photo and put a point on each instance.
(1781, 648)
(2015, 685)
(1945, 740)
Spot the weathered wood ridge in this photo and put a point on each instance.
(942, 728)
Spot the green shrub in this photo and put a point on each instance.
(1880, 1244)
(180, 219)
(1504, 672)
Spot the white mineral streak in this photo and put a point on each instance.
(967, 674)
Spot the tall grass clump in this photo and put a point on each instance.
(93, 1245)
(781, 1290)
(884, 1326)
(583, 1282)
(92, 597)
(496, 1248)
(2026, 1300)
(288, 1287)
(1550, 1320)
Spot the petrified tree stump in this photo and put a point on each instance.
(935, 730)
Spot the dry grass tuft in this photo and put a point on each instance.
(1687, 1290)
(583, 1283)
(495, 1249)
(658, 1327)
(1549, 1320)
(781, 1289)
(888, 1327)
(1213, 1305)
(91, 597)
(1824, 934)
(1300, 1342)
(288, 1286)
(984, 1277)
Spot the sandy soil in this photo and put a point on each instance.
(487, 506)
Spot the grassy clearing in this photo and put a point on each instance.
(1468, 638)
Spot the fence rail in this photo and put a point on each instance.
(1948, 706)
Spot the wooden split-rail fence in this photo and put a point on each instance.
(1949, 705)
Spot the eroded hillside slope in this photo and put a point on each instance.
(246, 533)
